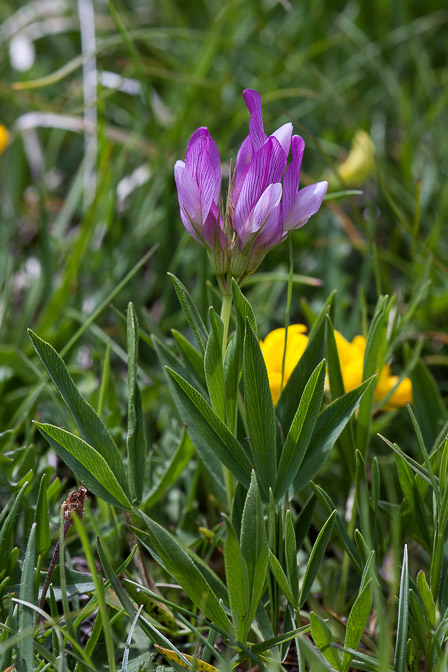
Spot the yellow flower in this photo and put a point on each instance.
(273, 348)
(4, 138)
(359, 164)
(351, 359)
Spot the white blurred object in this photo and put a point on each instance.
(21, 52)
(127, 185)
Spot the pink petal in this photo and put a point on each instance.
(265, 218)
(292, 174)
(251, 185)
(257, 134)
(189, 200)
(306, 203)
(283, 135)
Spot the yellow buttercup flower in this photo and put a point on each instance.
(4, 138)
(351, 360)
(359, 164)
(273, 348)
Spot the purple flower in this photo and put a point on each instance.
(260, 210)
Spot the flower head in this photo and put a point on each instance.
(359, 164)
(264, 201)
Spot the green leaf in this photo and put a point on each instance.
(179, 564)
(254, 546)
(237, 580)
(26, 616)
(300, 432)
(89, 466)
(314, 352)
(213, 366)
(90, 426)
(357, 622)
(203, 448)
(403, 614)
(191, 313)
(316, 558)
(43, 538)
(304, 519)
(259, 413)
(281, 579)
(328, 505)
(330, 423)
(333, 365)
(212, 429)
(414, 500)
(178, 462)
(244, 310)
(323, 639)
(136, 440)
(427, 599)
(291, 556)
(189, 352)
(232, 375)
(372, 360)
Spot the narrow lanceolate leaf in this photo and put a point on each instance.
(259, 413)
(323, 639)
(26, 615)
(213, 366)
(291, 555)
(427, 599)
(286, 407)
(254, 546)
(244, 310)
(43, 539)
(330, 423)
(403, 614)
(372, 359)
(237, 582)
(90, 426)
(357, 622)
(210, 426)
(89, 466)
(300, 432)
(281, 579)
(316, 558)
(136, 441)
(179, 564)
(334, 368)
(191, 313)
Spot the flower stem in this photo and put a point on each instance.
(225, 317)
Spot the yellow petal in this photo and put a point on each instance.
(273, 348)
(352, 374)
(4, 138)
(359, 164)
(402, 394)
